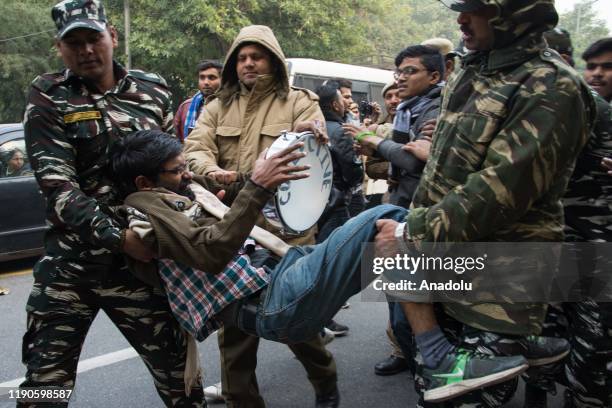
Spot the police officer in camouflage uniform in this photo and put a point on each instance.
(71, 120)
(513, 120)
(588, 218)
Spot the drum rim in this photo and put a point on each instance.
(283, 222)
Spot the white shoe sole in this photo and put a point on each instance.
(328, 337)
(454, 390)
(213, 393)
(547, 360)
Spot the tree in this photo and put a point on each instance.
(585, 27)
(23, 58)
(404, 23)
(170, 37)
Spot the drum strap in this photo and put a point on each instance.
(214, 206)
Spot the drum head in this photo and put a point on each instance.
(300, 203)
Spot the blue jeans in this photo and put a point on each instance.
(311, 283)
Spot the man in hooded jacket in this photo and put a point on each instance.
(512, 122)
(252, 107)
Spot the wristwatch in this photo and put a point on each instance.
(399, 231)
(400, 236)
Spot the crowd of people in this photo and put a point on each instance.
(496, 140)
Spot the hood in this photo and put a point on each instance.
(258, 34)
(520, 18)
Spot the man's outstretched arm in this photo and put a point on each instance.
(211, 247)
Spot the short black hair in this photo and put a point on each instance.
(430, 57)
(207, 64)
(343, 83)
(328, 93)
(142, 153)
(597, 48)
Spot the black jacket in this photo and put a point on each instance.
(348, 168)
(406, 169)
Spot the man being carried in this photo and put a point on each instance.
(213, 273)
(195, 247)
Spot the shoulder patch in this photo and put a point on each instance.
(148, 76)
(45, 82)
(311, 95)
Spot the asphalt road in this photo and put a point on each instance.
(112, 376)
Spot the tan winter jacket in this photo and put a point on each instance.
(205, 243)
(238, 124)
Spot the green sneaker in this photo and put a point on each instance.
(462, 371)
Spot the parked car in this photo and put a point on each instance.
(22, 206)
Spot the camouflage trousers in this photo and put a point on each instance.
(470, 338)
(588, 369)
(61, 309)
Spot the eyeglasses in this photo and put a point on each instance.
(407, 72)
(179, 170)
(605, 66)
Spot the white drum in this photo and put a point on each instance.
(298, 204)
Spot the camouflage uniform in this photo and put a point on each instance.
(503, 152)
(588, 218)
(69, 128)
(588, 324)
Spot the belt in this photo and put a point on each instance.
(247, 313)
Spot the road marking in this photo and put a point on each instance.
(18, 273)
(85, 365)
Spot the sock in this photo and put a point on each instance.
(434, 346)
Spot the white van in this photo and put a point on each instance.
(367, 82)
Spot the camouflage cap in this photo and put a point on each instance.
(560, 40)
(71, 14)
(463, 5)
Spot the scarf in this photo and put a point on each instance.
(192, 114)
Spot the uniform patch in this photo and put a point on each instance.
(81, 116)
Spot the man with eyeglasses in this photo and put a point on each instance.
(419, 77)
(419, 74)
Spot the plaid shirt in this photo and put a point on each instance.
(196, 297)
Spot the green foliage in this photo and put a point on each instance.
(407, 22)
(23, 58)
(584, 26)
(171, 36)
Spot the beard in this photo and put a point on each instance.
(185, 191)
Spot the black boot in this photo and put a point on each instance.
(534, 397)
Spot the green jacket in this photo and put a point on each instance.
(512, 123)
(205, 242)
(588, 212)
